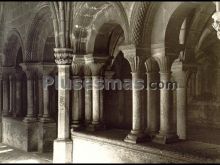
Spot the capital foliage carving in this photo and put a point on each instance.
(136, 61)
(63, 56)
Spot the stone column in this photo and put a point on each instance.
(40, 94)
(30, 74)
(136, 61)
(63, 144)
(88, 95)
(180, 75)
(5, 91)
(18, 91)
(96, 66)
(12, 93)
(1, 93)
(166, 133)
(153, 111)
(77, 66)
(47, 69)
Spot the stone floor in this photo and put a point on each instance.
(11, 155)
(200, 150)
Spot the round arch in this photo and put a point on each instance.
(11, 48)
(37, 34)
(87, 26)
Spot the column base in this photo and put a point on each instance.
(62, 151)
(30, 119)
(46, 120)
(137, 137)
(96, 127)
(166, 138)
(76, 126)
(6, 114)
(152, 134)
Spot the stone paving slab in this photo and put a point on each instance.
(11, 155)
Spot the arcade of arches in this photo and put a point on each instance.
(158, 42)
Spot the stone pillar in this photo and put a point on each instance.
(96, 65)
(62, 152)
(77, 66)
(153, 111)
(166, 133)
(47, 69)
(180, 76)
(40, 95)
(12, 94)
(5, 91)
(199, 81)
(88, 95)
(18, 91)
(30, 74)
(137, 64)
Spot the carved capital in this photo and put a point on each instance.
(181, 73)
(19, 76)
(96, 68)
(78, 64)
(151, 65)
(63, 56)
(96, 64)
(136, 61)
(109, 74)
(216, 23)
(164, 63)
(29, 70)
(12, 77)
(87, 70)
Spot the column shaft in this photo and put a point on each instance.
(63, 101)
(5, 84)
(95, 98)
(165, 111)
(31, 116)
(88, 102)
(12, 95)
(137, 133)
(181, 113)
(18, 97)
(153, 120)
(76, 106)
(166, 133)
(40, 97)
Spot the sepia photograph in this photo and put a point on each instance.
(109, 82)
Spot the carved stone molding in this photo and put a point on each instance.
(216, 23)
(63, 56)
